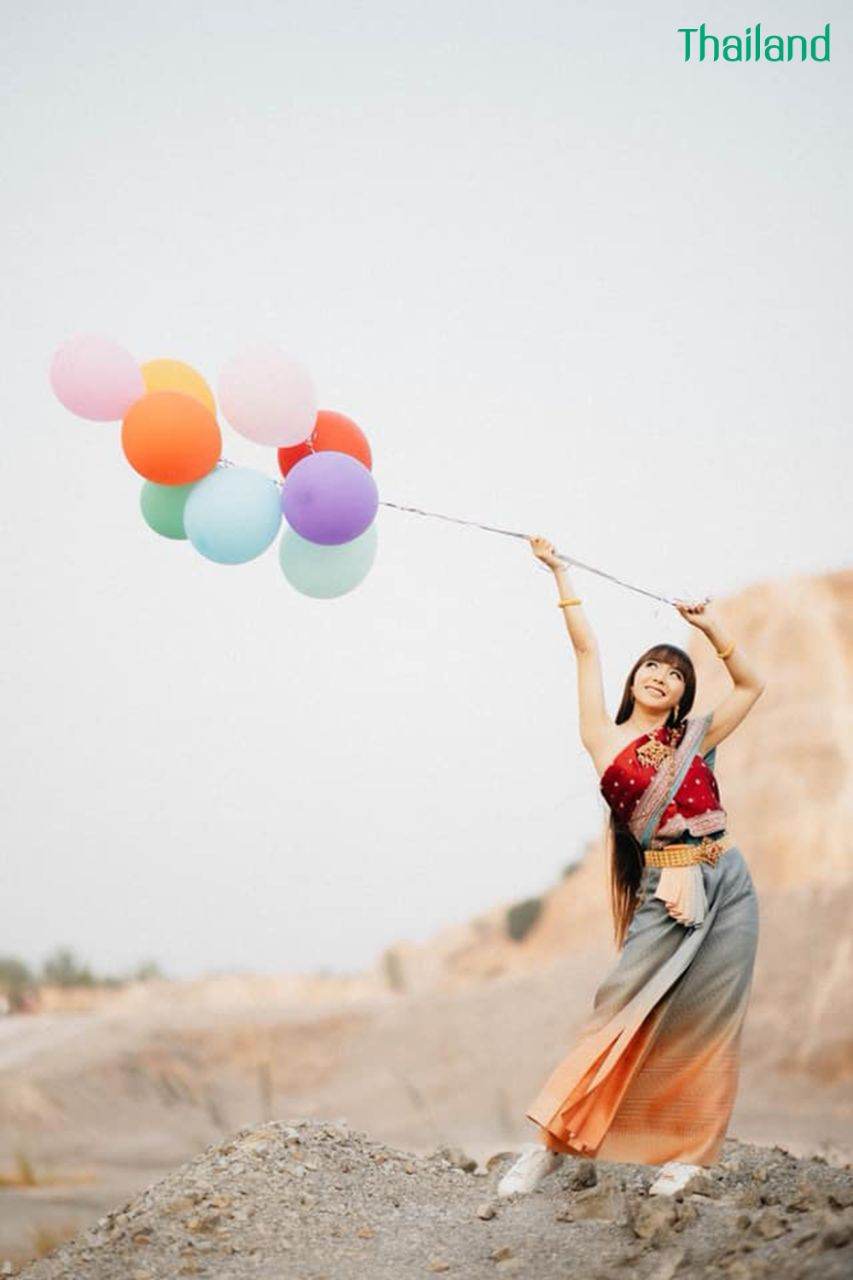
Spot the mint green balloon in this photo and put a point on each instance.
(323, 570)
(162, 507)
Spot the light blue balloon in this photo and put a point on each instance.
(233, 514)
(324, 570)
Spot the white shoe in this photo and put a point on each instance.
(534, 1164)
(673, 1177)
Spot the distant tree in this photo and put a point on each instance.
(147, 970)
(521, 918)
(392, 964)
(15, 975)
(63, 969)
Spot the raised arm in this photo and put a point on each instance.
(595, 725)
(748, 684)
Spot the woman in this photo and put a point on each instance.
(653, 1075)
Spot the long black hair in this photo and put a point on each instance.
(626, 859)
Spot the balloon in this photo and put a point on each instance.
(332, 431)
(329, 497)
(163, 507)
(170, 438)
(289, 456)
(337, 431)
(95, 378)
(268, 397)
(174, 375)
(233, 515)
(324, 572)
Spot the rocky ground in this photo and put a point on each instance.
(303, 1200)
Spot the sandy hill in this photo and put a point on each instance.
(786, 778)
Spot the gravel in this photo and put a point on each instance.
(302, 1200)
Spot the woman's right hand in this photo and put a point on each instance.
(544, 551)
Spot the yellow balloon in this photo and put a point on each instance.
(174, 375)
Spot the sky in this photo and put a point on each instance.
(566, 283)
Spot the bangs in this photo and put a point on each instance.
(673, 655)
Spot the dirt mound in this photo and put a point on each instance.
(313, 1200)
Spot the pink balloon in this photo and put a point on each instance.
(95, 378)
(268, 397)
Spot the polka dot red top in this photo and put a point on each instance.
(627, 776)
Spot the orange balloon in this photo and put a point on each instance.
(170, 438)
(331, 431)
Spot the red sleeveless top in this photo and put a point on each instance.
(695, 807)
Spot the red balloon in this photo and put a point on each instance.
(289, 455)
(331, 431)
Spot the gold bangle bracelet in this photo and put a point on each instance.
(727, 653)
(562, 603)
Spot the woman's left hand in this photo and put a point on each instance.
(698, 615)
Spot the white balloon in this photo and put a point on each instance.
(268, 397)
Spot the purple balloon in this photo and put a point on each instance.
(329, 497)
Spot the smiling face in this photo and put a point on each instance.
(657, 685)
(661, 683)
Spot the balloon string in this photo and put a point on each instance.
(512, 533)
(508, 533)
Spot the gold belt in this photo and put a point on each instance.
(685, 855)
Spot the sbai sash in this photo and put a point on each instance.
(681, 888)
